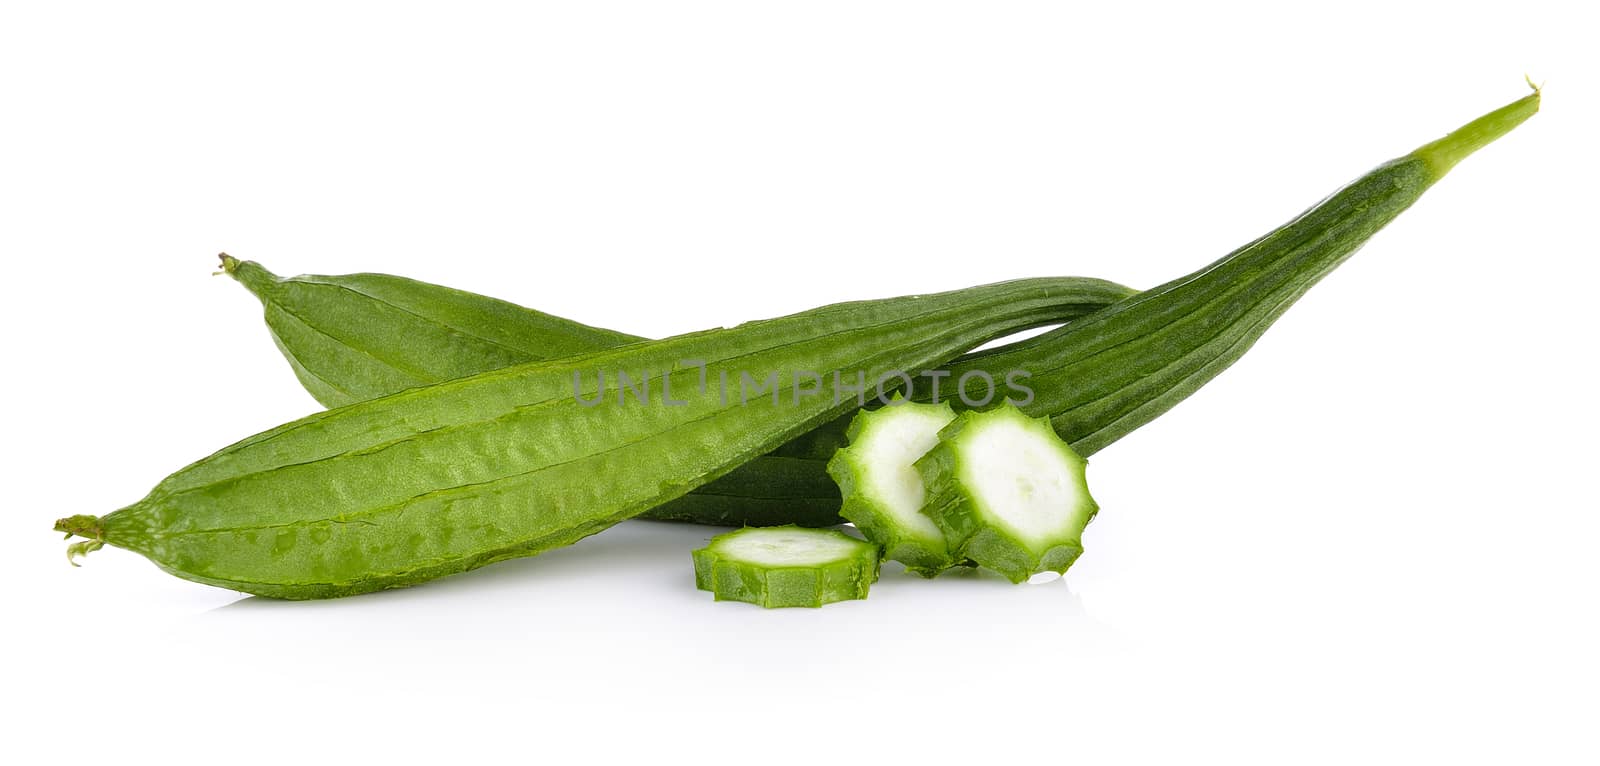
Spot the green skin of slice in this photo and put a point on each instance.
(922, 550)
(731, 576)
(972, 524)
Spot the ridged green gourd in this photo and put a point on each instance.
(437, 480)
(786, 566)
(1102, 376)
(355, 337)
(509, 481)
(1094, 386)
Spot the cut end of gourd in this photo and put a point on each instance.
(1445, 153)
(229, 264)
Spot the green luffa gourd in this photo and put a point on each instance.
(441, 479)
(436, 480)
(355, 337)
(1103, 376)
(358, 336)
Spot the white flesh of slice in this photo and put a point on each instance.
(788, 547)
(1024, 482)
(890, 447)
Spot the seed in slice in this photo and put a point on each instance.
(883, 493)
(1008, 493)
(786, 566)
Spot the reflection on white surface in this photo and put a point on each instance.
(618, 614)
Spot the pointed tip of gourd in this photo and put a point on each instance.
(81, 525)
(85, 526)
(252, 275)
(1445, 153)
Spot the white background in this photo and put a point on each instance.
(1373, 539)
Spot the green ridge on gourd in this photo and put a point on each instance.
(882, 491)
(786, 566)
(354, 337)
(433, 481)
(1007, 493)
